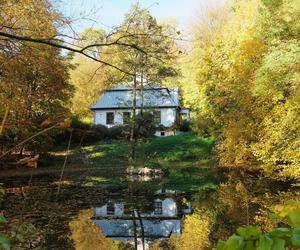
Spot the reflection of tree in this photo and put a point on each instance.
(88, 236)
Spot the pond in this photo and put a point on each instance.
(93, 209)
(124, 209)
(152, 216)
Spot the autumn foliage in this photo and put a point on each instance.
(246, 85)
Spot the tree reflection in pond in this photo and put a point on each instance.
(160, 218)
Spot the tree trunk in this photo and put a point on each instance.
(142, 93)
(133, 126)
(4, 118)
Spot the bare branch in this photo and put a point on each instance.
(61, 46)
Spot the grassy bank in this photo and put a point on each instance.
(187, 159)
(160, 152)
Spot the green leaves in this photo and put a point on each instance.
(278, 244)
(2, 219)
(3, 239)
(294, 218)
(265, 243)
(280, 232)
(235, 242)
(296, 240)
(250, 232)
(252, 238)
(4, 242)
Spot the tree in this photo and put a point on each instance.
(88, 76)
(36, 28)
(151, 62)
(33, 77)
(247, 87)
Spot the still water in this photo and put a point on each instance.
(158, 216)
(134, 212)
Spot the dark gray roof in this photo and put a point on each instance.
(122, 97)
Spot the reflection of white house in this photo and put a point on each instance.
(115, 106)
(166, 207)
(117, 222)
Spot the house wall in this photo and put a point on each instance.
(168, 116)
(100, 116)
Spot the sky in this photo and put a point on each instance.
(109, 13)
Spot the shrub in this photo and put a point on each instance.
(94, 134)
(81, 132)
(119, 132)
(145, 126)
(185, 126)
(252, 237)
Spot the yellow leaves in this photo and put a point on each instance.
(32, 17)
(65, 124)
(283, 210)
(89, 79)
(87, 235)
(251, 48)
(196, 231)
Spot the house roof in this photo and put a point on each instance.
(122, 97)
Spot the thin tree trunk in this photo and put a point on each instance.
(133, 126)
(21, 151)
(141, 105)
(4, 118)
(142, 93)
(64, 166)
(134, 230)
(142, 229)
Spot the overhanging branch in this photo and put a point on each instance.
(61, 46)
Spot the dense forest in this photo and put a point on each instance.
(239, 74)
(246, 85)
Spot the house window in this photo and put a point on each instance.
(162, 133)
(157, 207)
(157, 117)
(126, 117)
(109, 118)
(110, 209)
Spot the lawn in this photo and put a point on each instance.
(157, 152)
(187, 159)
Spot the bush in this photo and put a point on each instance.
(85, 133)
(185, 126)
(252, 237)
(94, 134)
(145, 126)
(119, 132)
(82, 133)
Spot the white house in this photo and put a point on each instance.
(115, 106)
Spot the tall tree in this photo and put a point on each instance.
(248, 86)
(88, 76)
(33, 78)
(149, 61)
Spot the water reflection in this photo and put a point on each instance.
(151, 218)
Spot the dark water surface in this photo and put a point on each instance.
(44, 213)
(123, 208)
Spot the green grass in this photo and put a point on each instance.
(157, 152)
(187, 160)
